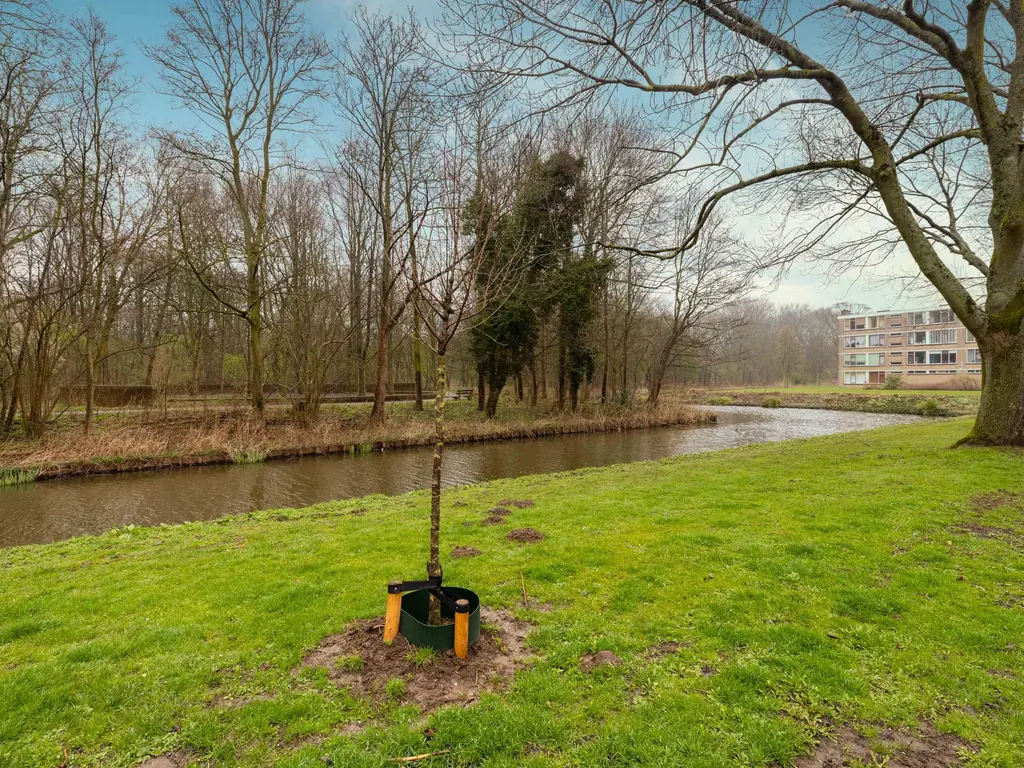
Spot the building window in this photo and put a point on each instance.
(942, 357)
(917, 358)
(917, 337)
(969, 335)
(876, 358)
(855, 377)
(855, 342)
(876, 340)
(942, 337)
(915, 318)
(876, 322)
(855, 359)
(973, 355)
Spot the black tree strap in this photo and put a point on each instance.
(434, 585)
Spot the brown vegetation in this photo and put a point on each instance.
(132, 442)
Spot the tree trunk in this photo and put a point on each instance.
(256, 362)
(533, 378)
(481, 387)
(493, 393)
(380, 377)
(90, 384)
(434, 563)
(1000, 418)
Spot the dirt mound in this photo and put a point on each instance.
(523, 535)
(466, 552)
(591, 661)
(359, 660)
(894, 748)
(517, 503)
(496, 516)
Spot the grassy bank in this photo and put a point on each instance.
(139, 441)
(758, 599)
(920, 402)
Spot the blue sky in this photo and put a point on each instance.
(135, 22)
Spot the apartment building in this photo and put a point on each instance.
(928, 347)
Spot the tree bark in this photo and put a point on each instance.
(1000, 418)
(493, 393)
(434, 563)
(481, 387)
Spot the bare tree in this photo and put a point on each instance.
(248, 69)
(911, 120)
(384, 79)
(705, 282)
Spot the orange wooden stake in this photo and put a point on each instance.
(392, 616)
(462, 629)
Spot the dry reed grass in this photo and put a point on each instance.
(136, 442)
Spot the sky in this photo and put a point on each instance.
(142, 22)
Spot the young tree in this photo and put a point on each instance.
(912, 117)
(248, 69)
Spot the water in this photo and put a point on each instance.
(59, 509)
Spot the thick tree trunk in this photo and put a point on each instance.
(481, 387)
(491, 407)
(1000, 418)
(434, 563)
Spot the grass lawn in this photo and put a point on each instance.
(860, 578)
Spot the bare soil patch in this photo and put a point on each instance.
(525, 535)
(591, 661)
(894, 748)
(170, 760)
(986, 502)
(442, 681)
(466, 552)
(1011, 537)
(667, 648)
(517, 503)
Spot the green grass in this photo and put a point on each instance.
(823, 580)
(9, 476)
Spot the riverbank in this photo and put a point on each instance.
(755, 604)
(918, 403)
(139, 441)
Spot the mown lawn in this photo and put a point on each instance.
(812, 582)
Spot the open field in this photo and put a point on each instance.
(760, 601)
(137, 440)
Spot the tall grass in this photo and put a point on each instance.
(132, 443)
(13, 476)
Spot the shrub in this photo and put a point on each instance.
(771, 402)
(893, 381)
(719, 401)
(930, 408)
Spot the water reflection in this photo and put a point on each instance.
(53, 510)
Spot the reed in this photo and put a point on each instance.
(132, 443)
